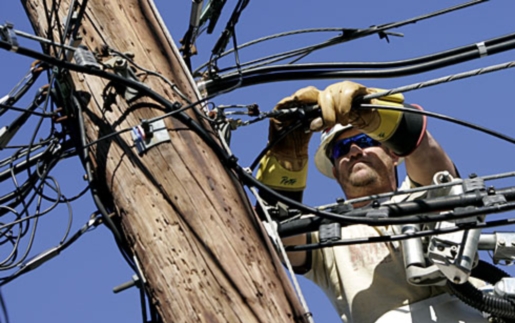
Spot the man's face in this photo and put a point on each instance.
(365, 171)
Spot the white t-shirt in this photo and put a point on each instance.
(365, 281)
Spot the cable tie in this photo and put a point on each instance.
(482, 49)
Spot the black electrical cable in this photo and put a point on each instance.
(17, 93)
(161, 100)
(173, 86)
(231, 162)
(251, 181)
(4, 307)
(280, 73)
(352, 34)
(47, 255)
(272, 143)
(253, 42)
(228, 31)
(49, 20)
(118, 238)
(485, 130)
(35, 218)
(89, 175)
(400, 237)
(152, 95)
(228, 159)
(463, 50)
(503, 307)
(4, 108)
(312, 221)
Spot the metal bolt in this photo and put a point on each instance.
(444, 177)
(502, 242)
(456, 280)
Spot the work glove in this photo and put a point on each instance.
(336, 104)
(285, 165)
(401, 132)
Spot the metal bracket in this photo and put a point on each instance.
(505, 288)
(121, 67)
(84, 57)
(147, 135)
(330, 232)
(425, 276)
(473, 184)
(379, 213)
(7, 34)
(497, 199)
(504, 247)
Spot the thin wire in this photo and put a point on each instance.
(353, 34)
(154, 73)
(399, 237)
(44, 41)
(444, 79)
(4, 307)
(259, 40)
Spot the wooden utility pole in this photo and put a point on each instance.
(185, 217)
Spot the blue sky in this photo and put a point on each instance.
(77, 285)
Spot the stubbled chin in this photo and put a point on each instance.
(359, 166)
(360, 172)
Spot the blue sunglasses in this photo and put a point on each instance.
(342, 147)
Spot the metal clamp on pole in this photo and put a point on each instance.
(131, 283)
(456, 253)
(148, 134)
(8, 35)
(121, 67)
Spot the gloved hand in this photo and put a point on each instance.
(399, 131)
(336, 103)
(285, 165)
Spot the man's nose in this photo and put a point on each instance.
(355, 151)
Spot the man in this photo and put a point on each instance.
(361, 149)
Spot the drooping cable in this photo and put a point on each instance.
(349, 34)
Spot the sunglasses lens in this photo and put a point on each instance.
(342, 147)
